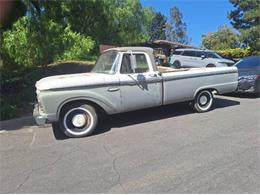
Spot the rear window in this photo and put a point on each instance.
(249, 62)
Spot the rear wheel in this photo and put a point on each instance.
(78, 120)
(177, 64)
(210, 65)
(203, 101)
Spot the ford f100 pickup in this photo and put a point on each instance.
(125, 79)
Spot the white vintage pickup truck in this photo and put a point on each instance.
(125, 79)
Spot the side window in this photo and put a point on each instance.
(189, 53)
(199, 53)
(177, 52)
(141, 64)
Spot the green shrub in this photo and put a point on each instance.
(31, 43)
(7, 108)
(234, 53)
(76, 46)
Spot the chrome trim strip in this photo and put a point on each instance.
(180, 77)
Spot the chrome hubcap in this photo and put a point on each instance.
(203, 100)
(79, 120)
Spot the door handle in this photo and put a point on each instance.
(113, 89)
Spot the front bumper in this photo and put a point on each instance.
(39, 118)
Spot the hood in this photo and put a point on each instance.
(73, 80)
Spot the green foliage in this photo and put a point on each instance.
(234, 53)
(176, 29)
(76, 46)
(148, 16)
(224, 38)
(7, 109)
(41, 42)
(246, 18)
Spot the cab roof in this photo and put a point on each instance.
(133, 49)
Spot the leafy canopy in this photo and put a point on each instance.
(246, 18)
(224, 38)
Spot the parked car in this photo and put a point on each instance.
(249, 74)
(122, 80)
(198, 58)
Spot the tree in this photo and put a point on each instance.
(52, 29)
(246, 18)
(224, 38)
(35, 48)
(176, 29)
(148, 16)
(158, 27)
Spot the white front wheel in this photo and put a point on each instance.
(78, 120)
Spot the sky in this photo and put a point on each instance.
(200, 16)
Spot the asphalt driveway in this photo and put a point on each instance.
(161, 150)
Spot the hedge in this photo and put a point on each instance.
(237, 53)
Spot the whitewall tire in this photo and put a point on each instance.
(203, 101)
(78, 120)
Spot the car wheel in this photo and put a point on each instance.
(177, 64)
(203, 101)
(78, 120)
(210, 65)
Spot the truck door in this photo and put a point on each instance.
(140, 86)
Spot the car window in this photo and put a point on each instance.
(212, 55)
(249, 62)
(189, 53)
(140, 61)
(126, 64)
(199, 53)
(177, 52)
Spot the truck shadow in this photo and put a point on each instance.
(243, 95)
(147, 115)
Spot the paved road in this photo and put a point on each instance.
(161, 150)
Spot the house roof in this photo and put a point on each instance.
(172, 44)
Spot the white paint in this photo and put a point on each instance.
(73, 80)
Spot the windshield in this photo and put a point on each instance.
(213, 55)
(106, 63)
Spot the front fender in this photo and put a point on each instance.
(53, 101)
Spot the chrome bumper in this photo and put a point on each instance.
(39, 119)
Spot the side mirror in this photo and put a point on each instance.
(203, 56)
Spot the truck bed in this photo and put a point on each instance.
(184, 83)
